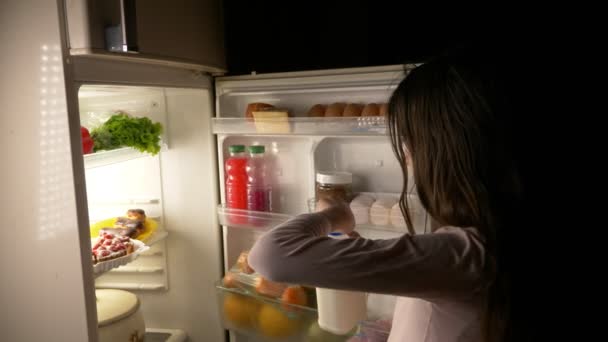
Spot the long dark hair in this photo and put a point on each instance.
(451, 116)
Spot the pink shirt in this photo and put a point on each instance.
(438, 276)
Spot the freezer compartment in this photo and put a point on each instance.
(326, 126)
(261, 318)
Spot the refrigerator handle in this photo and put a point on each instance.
(128, 24)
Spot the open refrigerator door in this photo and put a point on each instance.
(311, 124)
(150, 177)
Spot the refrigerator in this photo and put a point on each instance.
(56, 192)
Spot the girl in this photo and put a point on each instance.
(448, 124)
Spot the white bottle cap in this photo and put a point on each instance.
(334, 177)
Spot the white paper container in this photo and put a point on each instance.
(104, 266)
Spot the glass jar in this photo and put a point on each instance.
(334, 185)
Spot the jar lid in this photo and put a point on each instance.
(334, 177)
(114, 305)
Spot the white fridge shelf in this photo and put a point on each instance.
(365, 126)
(258, 220)
(249, 219)
(159, 235)
(103, 158)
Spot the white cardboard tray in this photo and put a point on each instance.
(104, 266)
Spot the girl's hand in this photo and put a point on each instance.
(339, 215)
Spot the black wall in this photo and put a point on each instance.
(270, 36)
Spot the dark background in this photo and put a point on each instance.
(275, 36)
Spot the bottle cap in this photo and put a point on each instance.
(337, 235)
(334, 177)
(236, 148)
(257, 149)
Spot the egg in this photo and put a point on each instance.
(383, 109)
(352, 109)
(335, 109)
(371, 109)
(317, 110)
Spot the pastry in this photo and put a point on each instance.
(110, 246)
(131, 226)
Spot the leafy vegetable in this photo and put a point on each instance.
(122, 130)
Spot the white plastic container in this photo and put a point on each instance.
(340, 311)
(397, 218)
(380, 211)
(119, 316)
(105, 266)
(360, 207)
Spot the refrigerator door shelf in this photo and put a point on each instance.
(158, 236)
(104, 158)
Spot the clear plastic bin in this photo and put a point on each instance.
(264, 310)
(266, 319)
(263, 318)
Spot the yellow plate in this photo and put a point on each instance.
(150, 227)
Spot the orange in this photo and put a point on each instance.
(274, 323)
(269, 288)
(240, 310)
(295, 295)
(230, 280)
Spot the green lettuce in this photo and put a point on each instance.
(122, 130)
